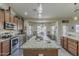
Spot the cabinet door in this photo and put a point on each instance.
(0, 48)
(72, 46)
(16, 22)
(1, 19)
(62, 41)
(78, 48)
(12, 19)
(19, 24)
(5, 48)
(22, 25)
(65, 42)
(7, 16)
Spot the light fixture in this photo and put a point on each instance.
(76, 10)
(75, 18)
(39, 16)
(25, 13)
(40, 8)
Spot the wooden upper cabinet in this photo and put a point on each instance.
(1, 18)
(16, 22)
(22, 25)
(19, 24)
(12, 19)
(7, 16)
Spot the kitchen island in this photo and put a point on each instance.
(45, 47)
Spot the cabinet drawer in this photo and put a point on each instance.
(71, 40)
(73, 43)
(73, 47)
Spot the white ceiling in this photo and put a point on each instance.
(51, 10)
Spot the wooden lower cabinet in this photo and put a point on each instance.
(65, 43)
(5, 48)
(62, 41)
(78, 48)
(72, 46)
(0, 48)
(38, 52)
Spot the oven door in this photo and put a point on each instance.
(14, 44)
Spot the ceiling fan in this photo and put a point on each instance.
(76, 9)
(39, 9)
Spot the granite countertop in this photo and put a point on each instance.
(32, 43)
(4, 39)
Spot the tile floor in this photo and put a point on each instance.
(63, 52)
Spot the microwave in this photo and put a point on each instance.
(8, 25)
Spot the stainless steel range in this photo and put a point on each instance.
(14, 44)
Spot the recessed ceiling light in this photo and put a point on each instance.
(75, 18)
(25, 13)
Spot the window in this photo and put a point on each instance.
(29, 30)
(53, 29)
(41, 29)
(44, 30)
(77, 28)
(64, 30)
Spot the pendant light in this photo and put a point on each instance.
(40, 10)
